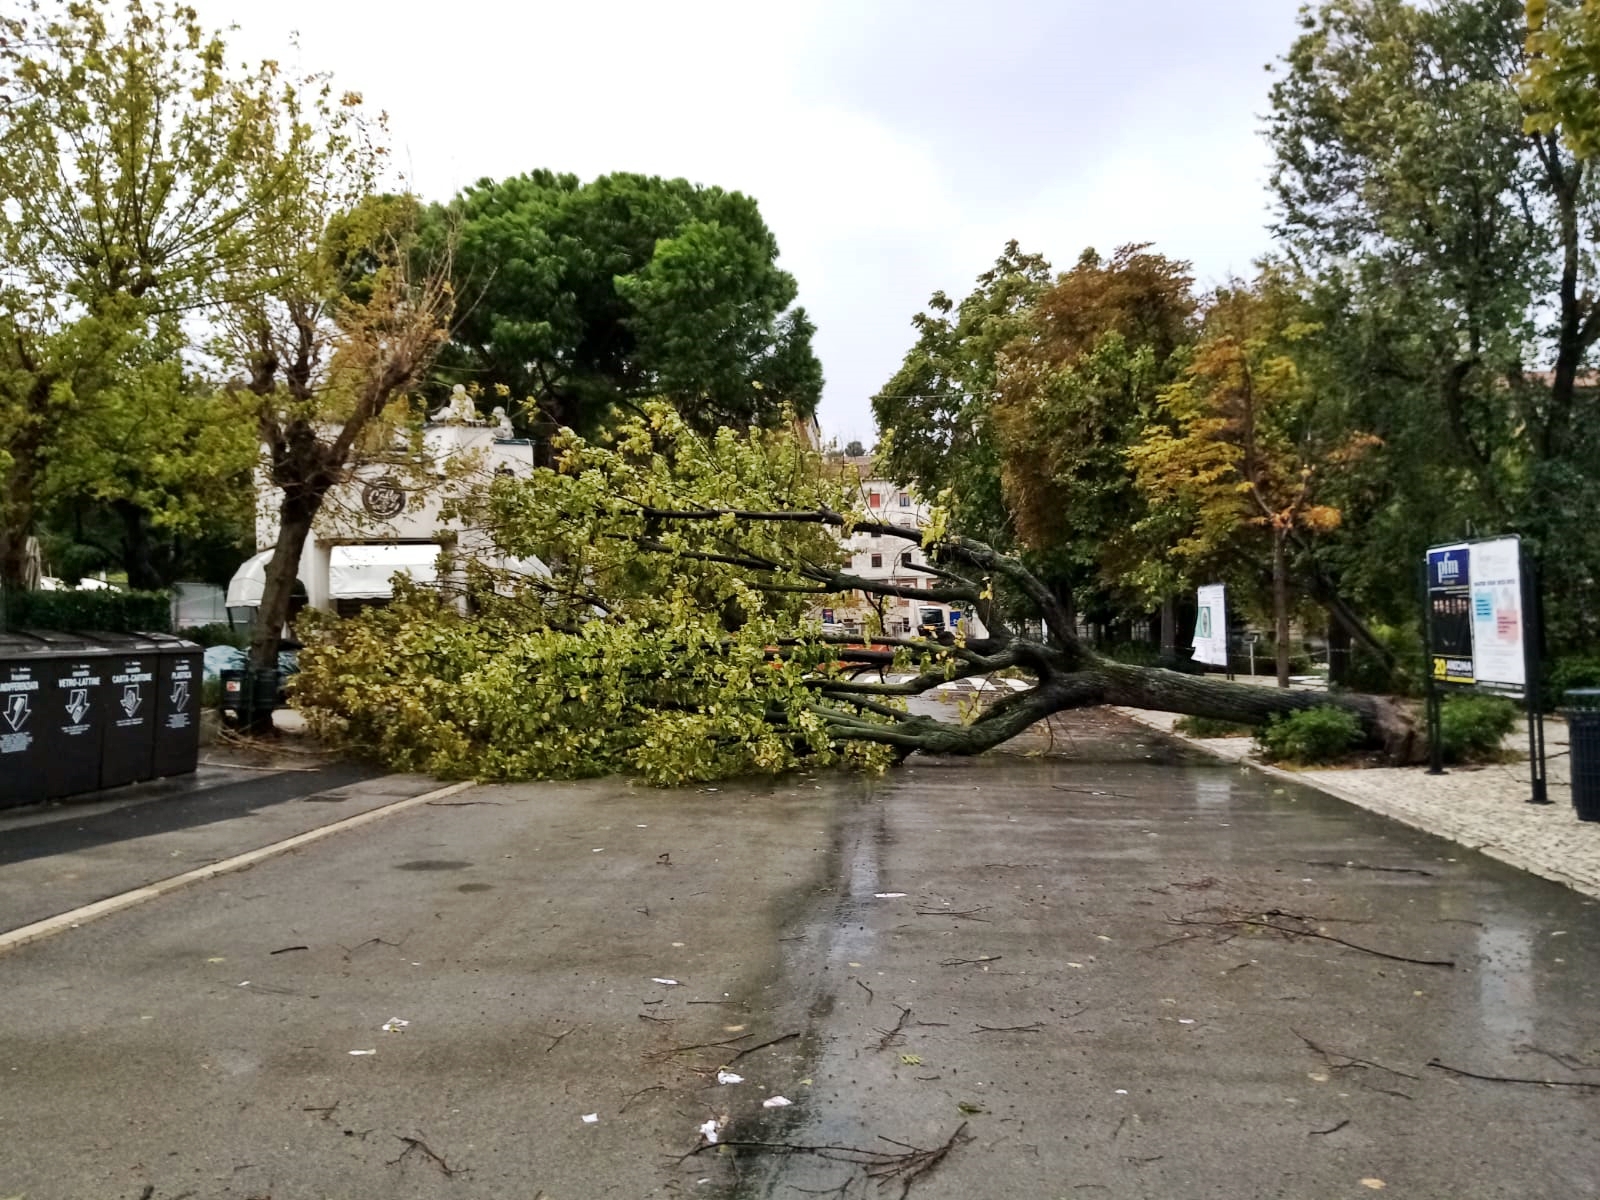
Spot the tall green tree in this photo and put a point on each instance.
(582, 297)
(1238, 469)
(126, 154)
(1459, 228)
(1074, 391)
(937, 411)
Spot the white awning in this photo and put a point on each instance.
(248, 582)
(363, 572)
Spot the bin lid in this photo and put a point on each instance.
(126, 643)
(59, 643)
(1583, 698)
(171, 643)
(21, 645)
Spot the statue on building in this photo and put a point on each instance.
(502, 424)
(458, 410)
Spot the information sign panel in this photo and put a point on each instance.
(1211, 626)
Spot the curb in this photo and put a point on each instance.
(24, 935)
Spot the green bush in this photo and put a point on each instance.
(1577, 671)
(100, 610)
(1367, 672)
(1208, 727)
(1471, 728)
(1314, 735)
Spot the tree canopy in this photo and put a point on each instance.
(581, 297)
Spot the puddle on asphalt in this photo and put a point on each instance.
(476, 887)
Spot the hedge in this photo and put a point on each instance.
(101, 610)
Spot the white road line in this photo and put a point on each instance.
(14, 938)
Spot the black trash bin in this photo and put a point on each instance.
(179, 673)
(248, 697)
(131, 701)
(1583, 729)
(75, 712)
(25, 674)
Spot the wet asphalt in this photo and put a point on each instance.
(1098, 968)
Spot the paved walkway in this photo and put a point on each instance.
(1482, 807)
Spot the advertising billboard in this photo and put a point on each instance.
(1476, 624)
(1211, 626)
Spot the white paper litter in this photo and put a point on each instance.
(395, 1025)
(710, 1130)
(1122, 1091)
(729, 1077)
(776, 1102)
(665, 982)
(590, 1118)
(889, 895)
(360, 1052)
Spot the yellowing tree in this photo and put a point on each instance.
(1246, 447)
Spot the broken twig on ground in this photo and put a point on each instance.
(417, 1145)
(1350, 1060)
(1293, 925)
(1572, 1083)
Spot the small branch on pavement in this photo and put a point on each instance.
(968, 914)
(1036, 1027)
(787, 1037)
(1330, 1129)
(1350, 1060)
(555, 1039)
(893, 1037)
(1355, 866)
(1572, 1083)
(1275, 920)
(417, 1145)
(287, 949)
(970, 962)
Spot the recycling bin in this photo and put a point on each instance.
(1583, 730)
(75, 713)
(248, 697)
(25, 672)
(127, 754)
(179, 673)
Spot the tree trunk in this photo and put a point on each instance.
(1338, 654)
(1280, 602)
(277, 592)
(136, 560)
(1169, 630)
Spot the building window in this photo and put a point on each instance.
(905, 560)
(874, 500)
(905, 500)
(877, 560)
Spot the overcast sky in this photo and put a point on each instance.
(894, 147)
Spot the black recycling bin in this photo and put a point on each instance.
(127, 754)
(248, 697)
(25, 672)
(1583, 729)
(75, 714)
(179, 672)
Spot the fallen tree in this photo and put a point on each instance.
(673, 639)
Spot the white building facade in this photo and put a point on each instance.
(387, 518)
(887, 559)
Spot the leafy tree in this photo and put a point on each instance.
(1561, 86)
(586, 296)
(672, 638)
(1245, 446)
(854, 449)
(936, 414)
(1413, 180)
(1075, 389)
(125, 152)
(344, 319)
